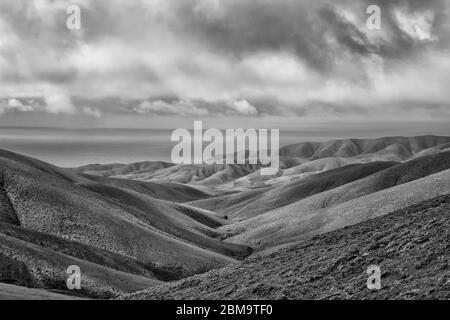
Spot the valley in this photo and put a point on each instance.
(155, 230)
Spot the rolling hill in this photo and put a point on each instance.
(120, 169)
(119, 218)
(248, 204)
(309, 217)
(388, 148)
(382, 175)
(296, 161)
(152, 227)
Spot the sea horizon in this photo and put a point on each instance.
(74, 147)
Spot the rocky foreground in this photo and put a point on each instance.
(411, 246)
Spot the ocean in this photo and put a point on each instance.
(75, 147)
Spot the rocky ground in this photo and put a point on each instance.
(411, 246)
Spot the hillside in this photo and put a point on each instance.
(28, 263)
(164, 191)
(163, 239)
(144, 227)
(252, 203)
(189, 173)
(298, 222)
(119, 169)
(409, 245)
(12, 292)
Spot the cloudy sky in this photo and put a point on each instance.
(151, 62)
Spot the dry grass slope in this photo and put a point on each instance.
(121, 235)
(12, 292)
(131, 227)
(409, 245)
(252, 203)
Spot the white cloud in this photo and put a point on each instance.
(13, 104)
(58, 102)
(244, 107)
(417, 26)
(17, 105)
(91, 111)
(182, 108)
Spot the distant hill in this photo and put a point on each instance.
(296, 160)
(389, 148)
(119, 169)
(382, 175)
(252, 203)
(164, 191)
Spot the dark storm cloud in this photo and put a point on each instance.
(305, 27)
(226, 57)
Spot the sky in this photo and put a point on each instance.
(284, 63)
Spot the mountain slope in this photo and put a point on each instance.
(252, 203)
(128, 235)
(409, 246)
(141, 238)
(80, 251)
(165, 191)
(187, 223)
(47, 269)
(117, 169)
(393, 174)
(288, 224)
(12, 292)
